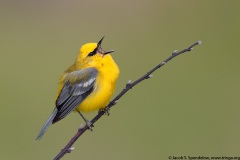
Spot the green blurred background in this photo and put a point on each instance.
(190, 107)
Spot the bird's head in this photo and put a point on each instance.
(92, 55)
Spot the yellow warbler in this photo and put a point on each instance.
(85, 86)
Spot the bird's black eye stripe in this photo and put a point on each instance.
(92, 53)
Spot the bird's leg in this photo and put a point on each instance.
(88, 123)
(105, 110)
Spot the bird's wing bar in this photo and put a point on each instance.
(77, 86)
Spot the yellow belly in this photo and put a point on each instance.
(98, 99)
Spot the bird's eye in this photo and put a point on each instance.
(91, 53)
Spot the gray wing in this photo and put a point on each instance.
(78, 85)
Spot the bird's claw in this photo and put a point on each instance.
(89, 125)
(106, 111)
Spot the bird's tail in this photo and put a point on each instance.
(47, 124)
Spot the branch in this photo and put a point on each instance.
(68, 148)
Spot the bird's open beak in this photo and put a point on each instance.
(100, 42)
(100, 50)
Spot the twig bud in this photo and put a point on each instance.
(115, 102)
(149, 76)
(163, 62)
(128, 83)
(81, 127)
(70, 149)
(174, 52)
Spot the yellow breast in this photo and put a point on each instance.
(104, 86)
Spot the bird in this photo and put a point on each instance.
(85, 86)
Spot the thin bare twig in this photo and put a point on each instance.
(68, 148)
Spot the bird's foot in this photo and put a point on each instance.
(106, 111)
(90, 125)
